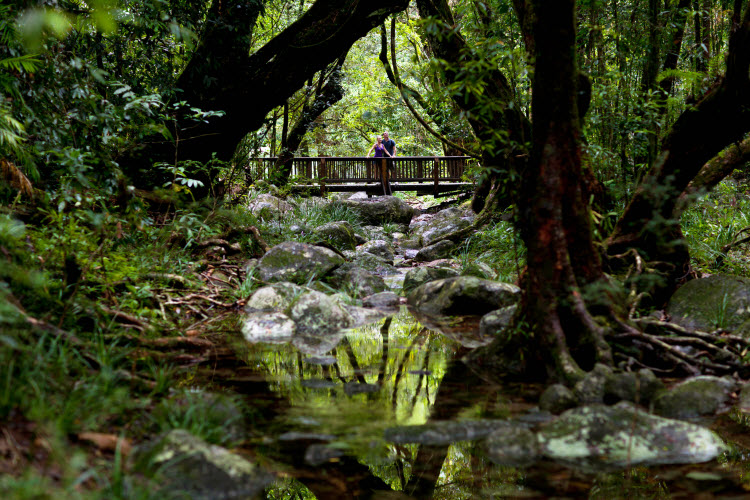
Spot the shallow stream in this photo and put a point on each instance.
(328, 417)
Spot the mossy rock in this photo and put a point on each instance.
(600, 437)
(339, 234)
(696, 397)
(297, 263)
(378, 210)
(418, 276)
(709, 303)
(462, 296)
(184, 466)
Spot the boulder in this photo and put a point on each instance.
(380, 209)
(442, 223)
(270, 327)
(297, 263)
(316, 313)
(513, 447)
(439, 250)
(339, 234)
(379, 248)
(420, 275)
(275, 297)
(695, 397)
(356, 281)
(267, 206)
(557, 398)
(715, 302)
(461, 296)
(374, 264)
(382, 300)
(495, 322)
(185, 466)
(600, 437)
(590, 389)
(639, 387)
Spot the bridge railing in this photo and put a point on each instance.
(338, 173)
(339, 169)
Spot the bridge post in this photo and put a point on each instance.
(384, 176)
(436, 177)
(322, 173)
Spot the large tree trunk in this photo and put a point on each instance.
(721, 118)
(554, 208)
(222, 76)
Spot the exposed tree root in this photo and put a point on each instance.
(671, 347)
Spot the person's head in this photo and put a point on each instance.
(385, 136)
(377, 138)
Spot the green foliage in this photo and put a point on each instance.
(210, 416)
(714, 222)
(498, 247)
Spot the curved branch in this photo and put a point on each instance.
(414, 112)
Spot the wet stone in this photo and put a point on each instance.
(297, 262)
(513, 447)
(366, 315)
(379, 248)
(696, 397)
(444, 432)
(420, 275)
(382, 300)
(273, 298)
(317, 313)
(270, 327)
(185, 466)
(352, 388)
(557, 398)
(600, 437)
(318, 454)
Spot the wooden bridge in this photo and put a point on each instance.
(435, 175)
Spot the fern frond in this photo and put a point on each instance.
(28, 63)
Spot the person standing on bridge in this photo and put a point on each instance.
(390, 145)
(380, 150)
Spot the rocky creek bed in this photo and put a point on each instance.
(366, 393)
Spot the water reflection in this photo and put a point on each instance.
(328, 407)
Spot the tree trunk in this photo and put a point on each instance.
(554, 208)
(222, 76)
(721, 118)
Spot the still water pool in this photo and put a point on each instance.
(333, 417)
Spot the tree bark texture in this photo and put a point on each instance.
(554, 210)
